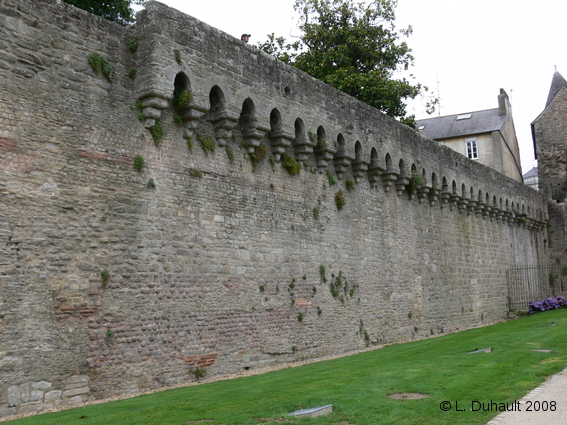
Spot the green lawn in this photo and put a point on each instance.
(357, 386)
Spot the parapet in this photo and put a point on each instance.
(239, 89)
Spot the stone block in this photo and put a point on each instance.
(73, 386)
(75, 392)
(52, 396)
(10, 363)
(77, 379)
(25, 393)
(32, 408)
(13, 396)
(41, 385)
(73, 400)
(36, 395)
(8, 411)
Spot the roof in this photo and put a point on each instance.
(450, 126)
(556, 84)
(531, 173)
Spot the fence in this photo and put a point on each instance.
(534, 283)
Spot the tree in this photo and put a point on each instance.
(355, 48)
(114, 10)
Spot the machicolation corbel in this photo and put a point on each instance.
(342, 161)
(279, 141)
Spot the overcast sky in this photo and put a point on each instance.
(466, 49)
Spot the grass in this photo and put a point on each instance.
(331, 178)
(357, 385)
(181, 99)
(259, 154)
(104, 277)
(139, 162)
(207, 144)
(290, 164)
(157, 132)
(133, 44)
(195, 173)
(100, 64)
(340, 200)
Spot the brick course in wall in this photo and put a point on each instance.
(225, 264)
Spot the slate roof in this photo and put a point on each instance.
(448, 126)
(531, 173)
(556, 83)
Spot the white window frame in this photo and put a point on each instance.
(472, 148)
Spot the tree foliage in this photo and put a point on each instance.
(114, 10)
(355, 48)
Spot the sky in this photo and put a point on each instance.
(465, 51)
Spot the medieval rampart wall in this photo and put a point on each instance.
(224, 262)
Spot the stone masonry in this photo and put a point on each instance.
(227, 249)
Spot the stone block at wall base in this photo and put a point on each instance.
(8, 411)
(53, 396)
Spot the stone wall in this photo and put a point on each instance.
(550, 132)
(114, 281)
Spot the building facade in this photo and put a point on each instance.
(549, 133)
(487, 136)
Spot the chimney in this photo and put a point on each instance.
(503, 103)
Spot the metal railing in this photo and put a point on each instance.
(534, 283)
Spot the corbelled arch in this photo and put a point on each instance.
(279, 137)
(341, 158)
(324, 151)
(217, 101)
(218, 115)
(360, 162)
(302, 144)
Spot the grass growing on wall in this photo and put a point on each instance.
(133, 44)
(100, 64)
(290, 164)
(157, 132)
(207, 144)
(139, 162)
(357, 385)
(340, 200)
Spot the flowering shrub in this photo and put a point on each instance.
(548, 304)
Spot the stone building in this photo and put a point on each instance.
(486, 136)
(549, 133)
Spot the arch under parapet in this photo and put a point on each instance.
(403, 178)
(218, 115)
(302, 144)
(324, 150)
(248, 124)
(374, 169)
(341, 158)
(360, 163)
(280, 139)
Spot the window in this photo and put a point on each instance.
(472, 149)
(464, 117)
